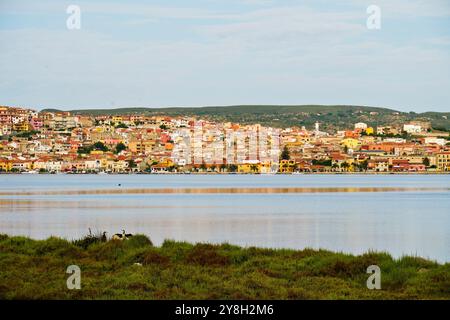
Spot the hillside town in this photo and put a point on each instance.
(61, 142)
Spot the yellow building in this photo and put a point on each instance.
(287, 166)
(350, 143)
(23, 126)
(249, 167)
(443, 161)
(369, 131)
(116, 119)
(141, 146)
(5, 165)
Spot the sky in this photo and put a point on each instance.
(210, 52)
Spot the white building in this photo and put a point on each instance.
(361, 125)
(435, 140)
(412, 128)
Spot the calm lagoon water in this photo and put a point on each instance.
(401, 214)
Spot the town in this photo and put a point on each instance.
(61, 142)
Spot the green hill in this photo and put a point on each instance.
(331, 117)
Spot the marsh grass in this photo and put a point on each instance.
(135, 269)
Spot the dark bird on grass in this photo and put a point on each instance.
(128, 235)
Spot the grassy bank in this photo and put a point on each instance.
(135, 269)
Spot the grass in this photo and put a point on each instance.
(135, 269)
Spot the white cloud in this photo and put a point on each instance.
(270, 54)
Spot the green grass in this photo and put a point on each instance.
(32, 269)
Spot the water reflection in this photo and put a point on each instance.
(219, 190)
(401, 215)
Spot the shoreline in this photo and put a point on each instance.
(235, 173)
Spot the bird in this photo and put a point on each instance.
(104, 238)
(128, 235)
(119, 236)
(122, 236)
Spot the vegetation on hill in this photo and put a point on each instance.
(330, 117)
(135, 269)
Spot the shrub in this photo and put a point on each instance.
(206, 255)
(51, 245)
(154, 257)
(110, 250)
(90, 239)
(138, 241)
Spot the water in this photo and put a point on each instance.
(401, 214)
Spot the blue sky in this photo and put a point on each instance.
(211, 52)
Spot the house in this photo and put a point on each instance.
(378, 165)
(5, 165)
(443, 161)
(350, 143)
(287, 166)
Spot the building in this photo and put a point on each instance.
(412, 128)
(443, 161)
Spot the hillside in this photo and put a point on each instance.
(331, 117)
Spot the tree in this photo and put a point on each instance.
(122, 125)
(285, 154)
(365, 165)
(426, 162)
(100, 146)
(254, 167)
(345, 165)
(321, 162)
(131, 164)
(120, 147)
(84, 149)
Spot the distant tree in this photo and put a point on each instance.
(131, 164)
(285, 155)
(100, 146)
(163, 127)
(223, 166)
(203, 167)
(84, 149)
(254, 167)
(426, 162)
(232, 168)
(365, 165)
(345, 165)
(120, 147)
(317, 162)
(122, 125)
